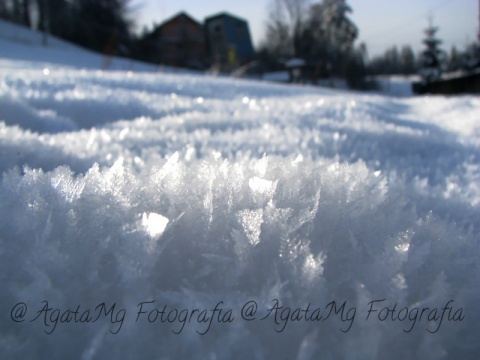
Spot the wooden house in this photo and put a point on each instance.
(180, 42)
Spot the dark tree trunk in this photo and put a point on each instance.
(26, 13)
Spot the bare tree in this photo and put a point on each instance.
(285, 25)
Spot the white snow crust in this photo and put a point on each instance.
(126, 187)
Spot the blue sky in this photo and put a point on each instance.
(382, 23)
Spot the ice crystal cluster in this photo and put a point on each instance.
(130, 201)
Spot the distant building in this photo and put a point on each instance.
(180, 42)
(223, 42)
(228, 41)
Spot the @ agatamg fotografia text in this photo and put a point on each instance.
(280, 316)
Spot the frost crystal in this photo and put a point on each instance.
(127, 186)
(154, 224)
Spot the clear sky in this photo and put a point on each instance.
(382, 23)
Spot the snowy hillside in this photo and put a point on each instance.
(19, 44)
(149, 215)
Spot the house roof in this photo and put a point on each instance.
(180, 14)
(158, 28)
(224, 14)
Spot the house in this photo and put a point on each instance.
(456, 83)
(222, 41)
(228, 41)
(179, 42)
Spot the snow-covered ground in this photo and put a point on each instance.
(294, 210)
(396, 85)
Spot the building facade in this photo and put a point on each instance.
(228, 41)
(222, 42)
(180, 42)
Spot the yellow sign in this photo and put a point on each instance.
(231, 55)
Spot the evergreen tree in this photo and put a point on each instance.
(4, 11)
(340, 30)
(17, 11)
(454, 59)
(393, 62)
(56, 17)
(357, 71)
(321, 31)
(101, 25)
(472, 56)
(432, 57)
(322, 34)
(329, 35)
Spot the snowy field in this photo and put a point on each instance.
(146, 215)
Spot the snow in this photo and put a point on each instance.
(294, 63)
(396, 85)
(127, 191)
(276, 76)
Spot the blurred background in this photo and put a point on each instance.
(333, 43)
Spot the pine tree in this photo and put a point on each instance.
(101, 25)
(341, 30)
(4, 11)
(454, 59)
(17, 11)
(432, 57)
(472, 56)
(329, 35)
